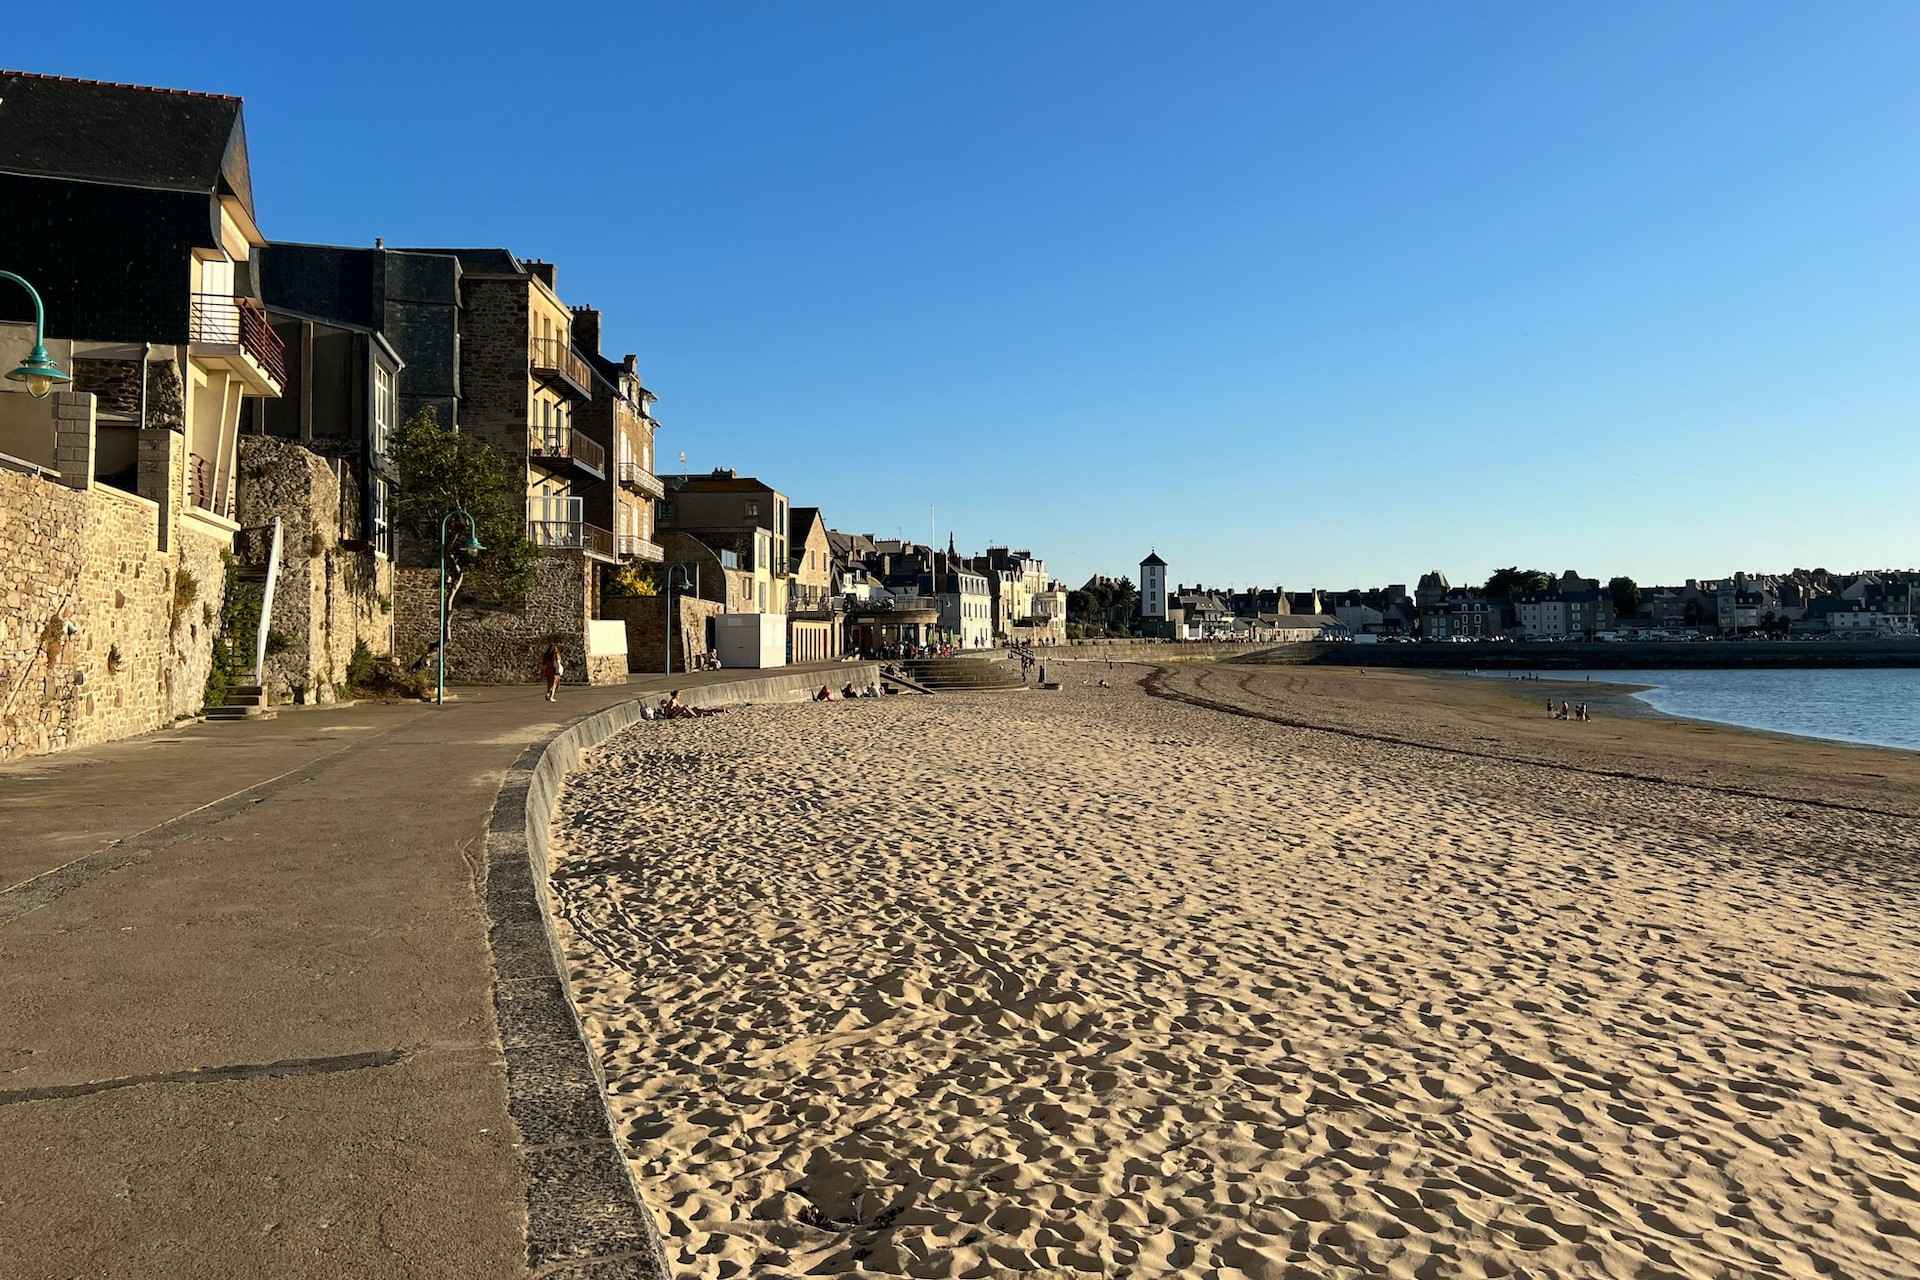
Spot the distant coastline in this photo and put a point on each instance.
(1627, 655)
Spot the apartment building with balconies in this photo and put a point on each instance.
(129, 209)
(524, 389)
(619, 419)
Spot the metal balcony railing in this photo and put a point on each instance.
(553, 358)
(225, 320)
(565, 443)
(556, 523)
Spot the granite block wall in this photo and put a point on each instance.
(328, 596)
(500, 645)
(103, 634)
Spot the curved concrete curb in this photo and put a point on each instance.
(586, 1219)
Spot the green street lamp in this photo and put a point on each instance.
(38, 371)
(685, 583)
(471, 547)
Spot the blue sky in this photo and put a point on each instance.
(1321, 295)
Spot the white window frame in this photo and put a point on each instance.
(382, 529)
(383, 406)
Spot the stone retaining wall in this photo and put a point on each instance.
(503, 646)
(328, 597)
(586, 1217)
(646, 619)
(103, 635)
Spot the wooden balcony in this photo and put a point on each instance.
(563, 449)
(553, 362)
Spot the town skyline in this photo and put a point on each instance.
(1543, 300)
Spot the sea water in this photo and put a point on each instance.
(1875, 705)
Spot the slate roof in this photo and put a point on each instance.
(495, 261)
(1153, 557)
(123, 135)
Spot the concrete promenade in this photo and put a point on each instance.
(245, 1016)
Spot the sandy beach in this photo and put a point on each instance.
(1403, 979)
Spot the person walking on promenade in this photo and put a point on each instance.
(551, 669)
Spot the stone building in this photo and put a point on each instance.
(521, 389)
(1028, 605)
(815, 628)
(729, 511)
(619, 418)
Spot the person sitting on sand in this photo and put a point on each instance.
(848, 692)
(825, 694)
(1562, 714)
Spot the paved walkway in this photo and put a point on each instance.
(245, 1026)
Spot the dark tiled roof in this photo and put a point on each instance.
(1153, 557)
(123, 134)
(488, 260)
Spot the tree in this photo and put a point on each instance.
(1515, 581)
(436, 469)
(1626, 596)
(1108, 608)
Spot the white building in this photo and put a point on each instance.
(966, 607)
(1153, 588)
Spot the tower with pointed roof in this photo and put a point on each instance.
(1153, 588)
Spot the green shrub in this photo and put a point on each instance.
(359, 666)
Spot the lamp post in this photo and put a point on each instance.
(685, 580)
(471, 547)
(38, 371)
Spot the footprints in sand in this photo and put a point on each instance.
(933, 987)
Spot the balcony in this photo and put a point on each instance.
(634, 547)
(568, 535)
(553, 362)
(233, 333)
(561, 448)
(640, 480)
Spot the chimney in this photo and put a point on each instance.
(630, 364)
(586, 328)
(542, 269)
(379, 242)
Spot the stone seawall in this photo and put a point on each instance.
(1727, 654)
(584, 1210)
(1156, 650)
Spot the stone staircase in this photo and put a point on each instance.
(244, 702)
(958, 674)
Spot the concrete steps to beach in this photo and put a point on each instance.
(959, 674)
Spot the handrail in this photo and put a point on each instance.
(229, 320)
(555, 355)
